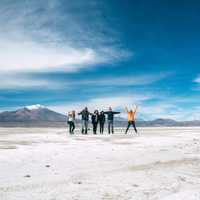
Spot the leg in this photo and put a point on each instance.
(86, 126)
(96, 128)
(133, 123)
(73, 127)
(70, 127)
(83, 126)
(128, 126)
(93, 128)
(109, 123)
(102, 128)
(112, 126)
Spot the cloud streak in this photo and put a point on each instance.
(102, 103)
(21, 82)
(37, 39)
(26, 80)
(130, 80)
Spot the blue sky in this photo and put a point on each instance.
(67, 54)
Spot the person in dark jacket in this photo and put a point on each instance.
(110, 118)
(95, 121)
(85, 119)
(102, 120)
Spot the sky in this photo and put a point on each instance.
(66, 55)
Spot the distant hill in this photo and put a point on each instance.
(168, 123)
(35, 113)
(40, 116)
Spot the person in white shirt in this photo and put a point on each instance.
(71, 121)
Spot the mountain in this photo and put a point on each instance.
(168, 123)
(40, 116)
(161, 122)
(34, 113)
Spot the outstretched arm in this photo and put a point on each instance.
(116, 112)
(80, 113)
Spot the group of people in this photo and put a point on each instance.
(100, 118)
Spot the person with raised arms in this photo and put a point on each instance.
(131, 118)
(85, 119)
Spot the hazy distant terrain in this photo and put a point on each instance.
(48, 163)
(40, 116)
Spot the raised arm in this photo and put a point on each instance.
(136, 108)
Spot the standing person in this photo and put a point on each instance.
(131, 118)
(71, 121)
(110, 118)
(85, 119)
(95, 121)
(102, 120)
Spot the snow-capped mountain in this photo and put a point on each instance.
(34, 113)
(35, 107)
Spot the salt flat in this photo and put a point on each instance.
(49, 164)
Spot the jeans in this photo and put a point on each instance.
(84, 126)
(95, 127)
(101, 127)
(110, 126)
(129, 124)
(71, 127)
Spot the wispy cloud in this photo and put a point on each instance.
(37, 39)
(197, 79)
(19, 81)
(129, 80)
(102, 103)
(30, 56)
(26, 80)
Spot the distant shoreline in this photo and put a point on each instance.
(117, 124)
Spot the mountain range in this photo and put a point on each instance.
(37, 115)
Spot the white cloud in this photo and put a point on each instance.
(31, 39)
(130, 80)
(161, 109)
(25, 80)
(13, 81)
(30, 56)
(103, 103)
(197, 83)
(197, 79)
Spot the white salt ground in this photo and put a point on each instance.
(48, 164)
